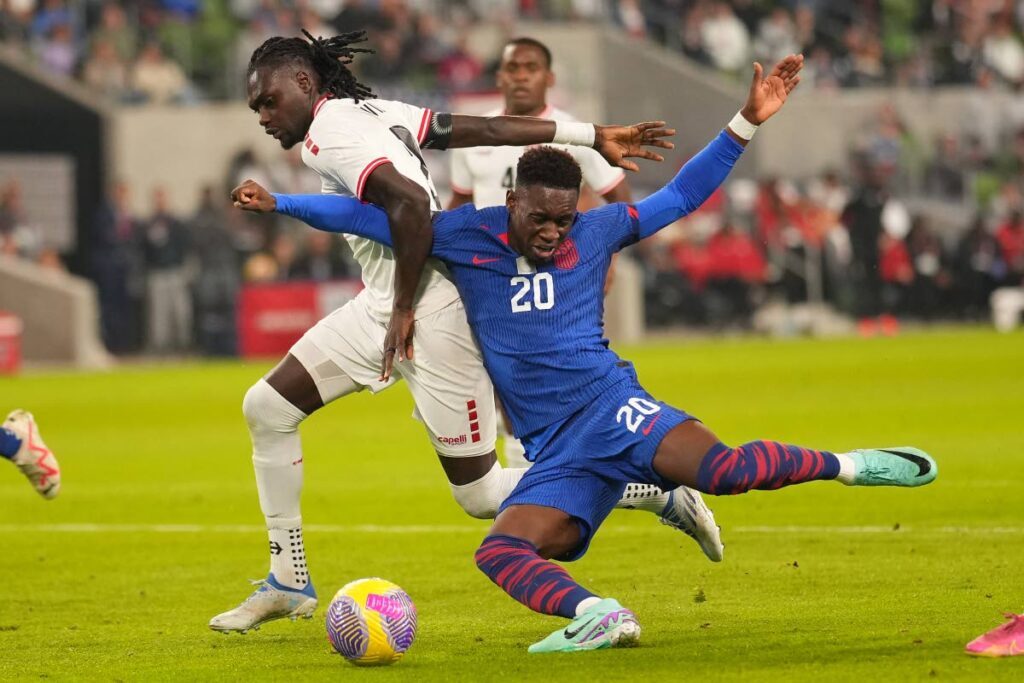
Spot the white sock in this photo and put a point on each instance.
(643, 497)
(515, 453)
(277, 458)
(288, 557)
(586, 603)
(847, 469)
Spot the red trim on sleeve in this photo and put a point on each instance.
(612, 185)
(460, 190)
(424, 126)
(370, 168)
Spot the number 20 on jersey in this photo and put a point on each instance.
(534, 292)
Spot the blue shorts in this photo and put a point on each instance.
(583, 463)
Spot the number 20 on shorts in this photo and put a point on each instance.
(635, 412)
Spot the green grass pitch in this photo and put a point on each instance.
(158, 528)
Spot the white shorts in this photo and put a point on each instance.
(453, 394)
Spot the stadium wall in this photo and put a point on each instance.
(59, 311)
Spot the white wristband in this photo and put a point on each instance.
(739, 125)
(574, 133)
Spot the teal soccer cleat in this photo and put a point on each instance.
(605, 624)
(898, 466)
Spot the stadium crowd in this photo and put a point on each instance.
(863, 240)
(186, 51)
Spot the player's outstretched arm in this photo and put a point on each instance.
(617, 144)
(707, 170)
(328, 212)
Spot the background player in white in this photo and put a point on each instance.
(484, 175)
(370, 149)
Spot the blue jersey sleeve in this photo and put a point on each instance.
(696, 181)
(334, 213)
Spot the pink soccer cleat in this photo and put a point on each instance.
(1003, 641)
(34, 459)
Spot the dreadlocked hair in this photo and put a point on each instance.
(328, 57)
(548, 167)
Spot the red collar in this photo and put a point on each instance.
(318, 105)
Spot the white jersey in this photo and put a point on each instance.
(488, 173)
(346, 142)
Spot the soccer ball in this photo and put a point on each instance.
(371, 622)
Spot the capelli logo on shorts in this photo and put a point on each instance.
(453, 440)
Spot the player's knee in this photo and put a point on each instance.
(266, 410)
(481, 498)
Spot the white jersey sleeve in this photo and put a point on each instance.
(461, 176)
(346, 143)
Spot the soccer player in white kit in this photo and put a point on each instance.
(484, 175)
(370, 149)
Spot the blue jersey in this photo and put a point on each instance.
(540, 327)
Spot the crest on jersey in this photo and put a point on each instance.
(566, 256)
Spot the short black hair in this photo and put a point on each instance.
(548, 167)
(327, 57)
(532, 42)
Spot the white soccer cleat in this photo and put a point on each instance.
(269, 602)
(34, 459)
(687, 512)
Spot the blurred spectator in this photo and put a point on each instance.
(944, 176)
(165, 247)
(320, 260)
(776, 37)
(56, 51)
(18, 236)
(931, 277)
(735, 267)
(862, 218)
(50, 15)
(117, 269)
(157, 79)
(631, 17)
(218, 279)
(284, 252)
(1002, 51)
(460, 70)
(725, 39)
(105, 73)
(113, 29)
(979, 269)
(1010, 236)
(388, 64)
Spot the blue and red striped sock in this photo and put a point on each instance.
(9, 443)
(541, 585)
(762, 465)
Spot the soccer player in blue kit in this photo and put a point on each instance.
(531, 275)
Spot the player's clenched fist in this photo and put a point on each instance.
(251, 196)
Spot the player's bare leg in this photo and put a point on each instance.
(516, 556)
(274, 407)
(692, 455)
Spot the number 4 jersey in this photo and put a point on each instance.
(348, 141)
